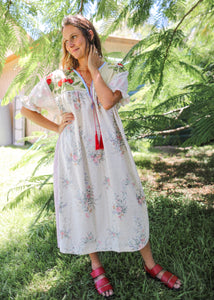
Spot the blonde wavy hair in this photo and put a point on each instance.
(68, 61)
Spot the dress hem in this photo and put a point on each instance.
(105, 250)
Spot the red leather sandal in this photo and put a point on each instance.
(167, 278)
(103, 284)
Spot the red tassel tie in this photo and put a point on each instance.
(98, 144)
(101, 141)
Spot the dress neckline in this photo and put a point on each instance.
(83, 81)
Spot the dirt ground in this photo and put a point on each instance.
(177, 171)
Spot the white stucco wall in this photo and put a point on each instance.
(9, 72)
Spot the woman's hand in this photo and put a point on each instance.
(67, 119)
(94, 61)
(105, 95)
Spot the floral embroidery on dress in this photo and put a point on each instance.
(75, 155)
(141, 199)
(126, 181)
(88, 238)
(120, 201)
(117, 141)
(49, 81)
(64, 234)
(138, 242)
(87, 201)
(96, 156)
(60, 81)
(113, 233)
(64, 80)
(106, 182)
(65, 182)
(75, 158)
(62, 205)
(77, 103)
(118, 68)
(120, 205)
(86, 197)
(98, 245)
(71, 248)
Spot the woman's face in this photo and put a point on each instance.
(75, 41)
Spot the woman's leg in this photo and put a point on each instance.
(150, 263)
(95, 263)
(146, 253)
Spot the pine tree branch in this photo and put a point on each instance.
(8, 7)
(170, 43)
(164, 132)
(7, 11)
(181, 109)
(81, 7)
(176, 28)
(175, 110)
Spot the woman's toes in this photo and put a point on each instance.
(177, 284)
(108, 293)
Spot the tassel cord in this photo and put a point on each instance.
(98, 143)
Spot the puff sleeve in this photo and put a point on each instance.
(40, 98)
(119, 82)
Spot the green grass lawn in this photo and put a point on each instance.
(179, 189)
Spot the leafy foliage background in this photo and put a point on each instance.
(170, 68)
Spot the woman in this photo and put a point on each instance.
(99, 201)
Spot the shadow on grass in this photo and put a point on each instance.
(181, 238)
(204, 171)
(176, 175)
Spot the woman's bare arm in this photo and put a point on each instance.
(44, 122)
(105, 95)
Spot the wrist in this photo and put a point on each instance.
(94, 73)
(57, 130)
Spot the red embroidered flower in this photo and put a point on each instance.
(61, 81)
(48, 80)
(70, 81)
(64, 80)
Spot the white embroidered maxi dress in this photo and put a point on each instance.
(99, 201)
